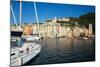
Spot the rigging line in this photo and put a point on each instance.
(36, 12)
(13, 15)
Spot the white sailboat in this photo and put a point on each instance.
(22, 51)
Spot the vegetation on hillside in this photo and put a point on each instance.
(86, 19)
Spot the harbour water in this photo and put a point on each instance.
(62, 50)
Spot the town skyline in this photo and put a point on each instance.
(48, 11)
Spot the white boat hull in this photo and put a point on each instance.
(25, 57)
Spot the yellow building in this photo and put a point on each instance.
(27, 30)
(49, 29)
(53, 29)
(86, 31)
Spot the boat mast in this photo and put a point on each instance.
(13, 15)
(36, 15)
(20, 19)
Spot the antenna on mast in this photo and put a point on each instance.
(13, 15)
(36, 15)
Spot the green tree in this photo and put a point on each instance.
(86, 19)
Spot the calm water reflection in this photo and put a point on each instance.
(64, 51)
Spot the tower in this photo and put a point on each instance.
(90, 29)
(55, 19)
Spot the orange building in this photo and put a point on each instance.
(27, 30)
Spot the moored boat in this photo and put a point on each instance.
(23, 52)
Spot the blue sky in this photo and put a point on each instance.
(48, 11)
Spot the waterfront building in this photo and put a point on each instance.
(35, 29)
(76, 31)
(27, 30)
(16, 28)
(68, 32)
(90, 29)
(86, 31)
(49, 29)
(64, 19)
(55, 19)
(54, 29)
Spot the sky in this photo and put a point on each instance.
(47, 11)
